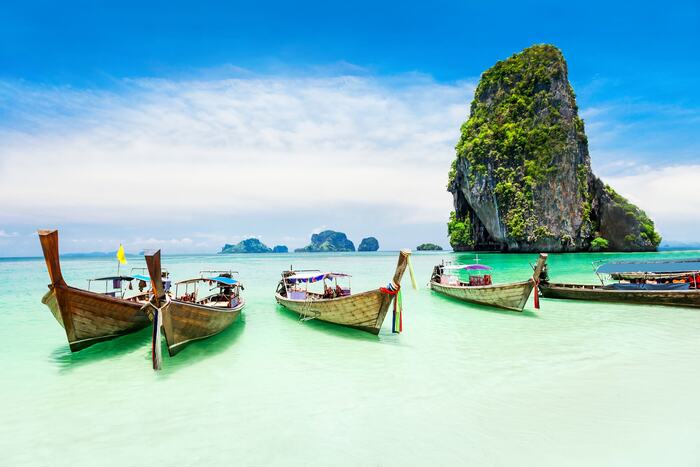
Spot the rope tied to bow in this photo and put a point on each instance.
(394, 290)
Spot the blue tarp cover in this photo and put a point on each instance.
(647, 287)
(224, 280)
(651, 267)
(140, 277)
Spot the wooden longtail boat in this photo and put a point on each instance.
(365, 311)
(87, 317)
(511, 296)
(667, 282)
(187, 317)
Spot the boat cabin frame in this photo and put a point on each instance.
(678, 274)
(228, 289)
(296, 284)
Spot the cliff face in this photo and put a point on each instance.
(522, 179)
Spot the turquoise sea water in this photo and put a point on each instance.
(574, 383)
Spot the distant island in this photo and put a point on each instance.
(251, 245)
(328, 241)
(368, 244)
(428, 247)
(522, 178)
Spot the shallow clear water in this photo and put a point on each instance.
(574, 383)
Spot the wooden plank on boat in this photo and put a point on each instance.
(87, 317)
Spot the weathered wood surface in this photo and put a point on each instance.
(87, 317)
(681, 298)
(511, 296)
(184, 322)
(365, 310)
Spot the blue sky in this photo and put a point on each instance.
(308, 98)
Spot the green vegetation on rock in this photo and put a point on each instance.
(251, 245)
(328, 241)
(522, 179)
(280, 249)
(368, 244)
(428, 247)
(599, 243)
(459, 231)
(647, 231)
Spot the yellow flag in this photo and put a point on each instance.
(120, 254)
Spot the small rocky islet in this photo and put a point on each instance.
(326, 241)
(428, 247)
(252, 245)
(522, 178)
(368, 244)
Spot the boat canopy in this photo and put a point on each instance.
(141, 277)
(314, 276)
(221, 280)
(114, 278)
(469, 267)
(676, 266)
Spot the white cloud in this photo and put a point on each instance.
(5, 234)
(162, 149)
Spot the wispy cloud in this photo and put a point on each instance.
(5, 234)
(182, 150)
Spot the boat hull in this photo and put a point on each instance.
(682, 298)
(89, 318)
(184, 322)
(365, 311)
(511, 296)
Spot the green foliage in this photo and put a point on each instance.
(459, 231)
(250, 245)
(428, 247)
(516, 129)
(599, 243)
(647, 231)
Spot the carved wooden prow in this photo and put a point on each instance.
(49, 244)
(401, 266)
(541, 261)
(155, 272)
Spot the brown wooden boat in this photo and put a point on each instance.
(187, 317)
(87, 317)
(365, 311)
(511, 296)
(671, 282)
(598, 293)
